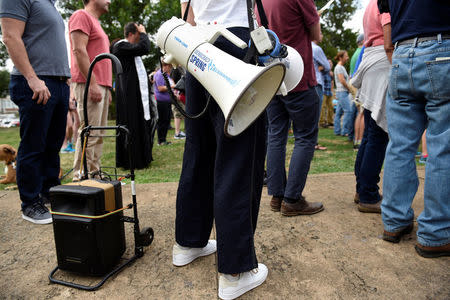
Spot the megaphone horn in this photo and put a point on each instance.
(241, 90)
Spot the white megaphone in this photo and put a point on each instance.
(291, 60)
(241, 90)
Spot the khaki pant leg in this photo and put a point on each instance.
(329, 108)
(102, 121)
(323, 110)
(95, 115)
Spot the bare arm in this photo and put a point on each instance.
(314, 32)
(190, 18)
(79, 48)
(388, 46)
(342, 81)
(12, 30)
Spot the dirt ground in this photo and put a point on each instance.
(336, 254)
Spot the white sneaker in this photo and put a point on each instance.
(232, 287)
(182, 256)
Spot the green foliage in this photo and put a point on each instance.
(149, 13)
(4, 83)
(335, 36)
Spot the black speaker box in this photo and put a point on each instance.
(87, 245)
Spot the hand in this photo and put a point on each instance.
(141, 28)
(95, 93)
(40, 91)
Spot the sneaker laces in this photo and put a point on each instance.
(39, 207)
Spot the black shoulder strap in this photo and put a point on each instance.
(262, 14)
(186, 12)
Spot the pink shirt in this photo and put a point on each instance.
(98, 43)
(373, 23)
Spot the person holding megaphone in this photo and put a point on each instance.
(222, 176)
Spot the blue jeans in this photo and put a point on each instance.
(319, 89)
(345, 105)
(351, 124)
(370, 160)
(303, 109)
(419, 96)
(339, 112)
(42, 132)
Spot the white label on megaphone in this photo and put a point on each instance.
(241, 90)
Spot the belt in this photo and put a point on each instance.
(414, 41)
(58, 78)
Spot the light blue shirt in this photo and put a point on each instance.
(319, 59)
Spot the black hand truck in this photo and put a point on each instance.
(143, 237)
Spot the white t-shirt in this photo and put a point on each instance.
(230, 13)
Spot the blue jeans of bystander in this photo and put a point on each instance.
(419, 95)
(344, 102)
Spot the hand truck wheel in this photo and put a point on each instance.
(146, 236)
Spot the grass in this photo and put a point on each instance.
(167, 163)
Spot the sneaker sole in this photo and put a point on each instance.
(189, 259)
(243, 290)
(293, 214)
(41, 222)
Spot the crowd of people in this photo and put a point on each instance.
(395, 89)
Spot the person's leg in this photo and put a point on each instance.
(431, 78)
(344, 101)
(75, 125)
(319, 89)
(303, 109)
(360, 157)
(330, 111)
(35, 121)
(238, 179)
(195, 196)
(55, 137)
(68, 132)
(177, 122)
(163, 121)
(406, 122)
(372, 161)
(324, 112)
(424, 154)
(359, 126)
(351, 122)
(337, 119)
(100, 117)
(277, 133)
(97, 116)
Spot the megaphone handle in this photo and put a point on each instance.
(229, 36)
